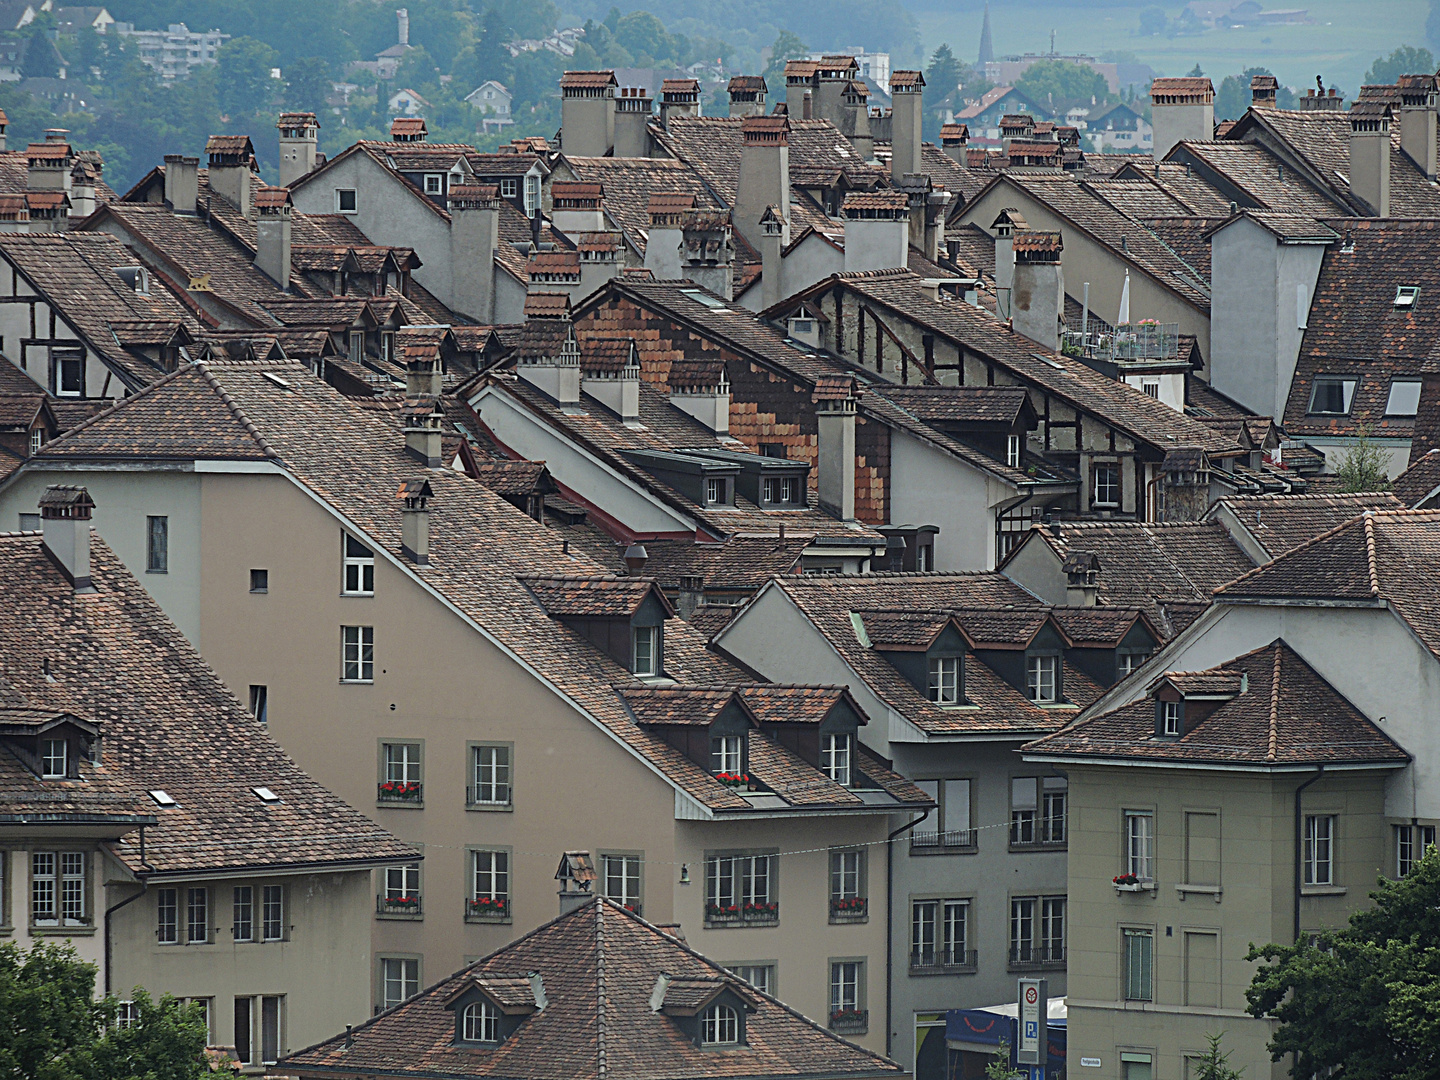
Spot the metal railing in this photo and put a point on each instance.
(399, 905)
(1036, 956)
(1143, 340)
(948, 840)
(924, 961)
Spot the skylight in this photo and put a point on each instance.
(703, 298)
(1406, 295)
(277, 380)
(162, 798)
(265, 795)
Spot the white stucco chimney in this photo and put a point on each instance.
(1370, 154)
(65, 512)
(877, 230)
(402, 27)
(1182, 110)
(1037, 302)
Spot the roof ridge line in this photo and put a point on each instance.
(1369, 520)
(236, 411)
(105, 412)
(601, 1061)
(1273, 745)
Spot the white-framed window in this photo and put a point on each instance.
(1139, 948)
(509, 188)
(1054, 800)
(54, 759)
(69, 373)
(345, 201)
(272, 913)
(620, 876)
(760, 976)
(1012, 451)
(260, 702)
(1105, 490)
(939, 932)
(847, 874)
(58, 888)
(1140, 844)
(167, 916)
(771, 489)
(1411, 843)
(1170, 717)
(1320, 849)
(1127, 662)
(1042, 683)
(1052, 928)
(1332, 396)
(1150, 388)
(243, 925)
(490, 878)
(835, 758)
(127, 1014)
(717, 491)
(491, 768)
(532, 195)
(1405, 296)
(1024, 806)
(645, 654)
(402, 763)
(399, 980)
(846, 986)
(727, 754)
(157, 545)
(738, 881)
(37, 439)
(357, 346)
(481, 1022)
(790, 491)
(1404, 398)
(197, 916)
(402, 882)
(719, 1026)
(1022, 929)
(357, 654)
(358, 577)
(434, 184)
(944, 681)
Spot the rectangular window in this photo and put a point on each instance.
(399, 980)
(1024, 804)
(532, 195)
(272, 912)
(938, 933)
(717, 491)
(433, 183)
(1053, 804)
(1332, 397)
(1012, 451)
(1052, 929)
(760, 976)
(509, 188)
(358, 653)
(345, 200)
(29, 522)
(1022, 930)
(1127, 662)
(402, 882)
(771, 489)
(1405, 296)
(621, 876)
(944, 683)
(359, 571)
(54, 759)
(847, 875)
(1170, 717)
(645, 653)
(69, 373)
(1404, 398)
(259, 581)
(157, 545)
(167, 916)
(245, 1030)
(1201, 956)
(37, 435)
(357, 346)
(491, 877)
(270, 1016)
(1139, 964)
(491, 766)
(727, 755)
(402, 763)
(835, 758)
(259, 703)
(1149, 388)
(57, 888)
(1411, 843)
(1320, 849)
(244, 922)
(738, 885)
(1140, 844)
(846, 986)
(1042, 684)
(197, 916)
(1106, 490)
(790, 491)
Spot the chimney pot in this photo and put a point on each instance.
(422, 432)
(65, 512)
(414, 496)
(635, 557)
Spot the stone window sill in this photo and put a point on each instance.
(1322, 890)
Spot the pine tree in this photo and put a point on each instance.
(1363, 466)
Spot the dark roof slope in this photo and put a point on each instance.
(1419, 480)
(1282, 523)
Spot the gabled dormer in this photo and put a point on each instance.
(710, 1011)
(1025, 647)
(926, 647)
(1183, 699)
(1107, 644)
(622, 617)
(709, 726)
(50, 744)
(818, 724)
(488, 1009)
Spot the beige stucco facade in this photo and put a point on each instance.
(1211, 899)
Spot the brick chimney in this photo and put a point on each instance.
(633, 110)
(1037, 302)
(906, 88)
(747, 95)
(1182, 110)
(230, 157)
(774, 239)
(587, 113)
(474, 234)
(65, 513)
(1263, 91)
(662, 247)
(272, 234)
(678, 97)
(414, 496)
(953, 140)
(1006, 225)
(707, 251)
(1370, 155)
(299, 133)
(182, 182)
(764, 173)
(834, 398)
(1418, 120)
(422, 420)
(877, 230)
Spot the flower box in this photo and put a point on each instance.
(848, 908)
(487, 908)
(398, 791)
(398, 905)
(733, 780)
(768, 912)
(850, 1021)
(1131, 883)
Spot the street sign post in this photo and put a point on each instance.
(1034, 1010)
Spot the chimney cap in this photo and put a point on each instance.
(906, 81)
(273, 199)
(229, 149)
(576, 868)
(748, 84)
(298, 120)
(408, 129)
(66, 501)
(415, 489)
(760, 130)
(636, 556)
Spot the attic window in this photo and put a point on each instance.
(944, 681)
(54, 759)
(719, 1026)
(646, 653)
(1169, 718)
(1332, 396)
(1405, 297)
(1404, 398)
(434, 183)
(704, 298)
(265, 795)
(480, 1022)
(277, 380)
(162, 798)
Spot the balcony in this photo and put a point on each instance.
(1141, 341)
(399, 907)
(762, 914)
(850, 1021)
(1036, 957)
(487, 909)
(943, 961)
(849, 909)
(951, 842)
(400, 793)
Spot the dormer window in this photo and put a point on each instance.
(359, 577)
(645, 652)
(434, 184)
(719, 1026)
(944, 684)
(717, 491)
(1170, 718)
(480, 1022)
(835, 758)
(1332, 396)
(1012, 451)
(54, 759)
(509, 188)
(1042, 679)
(727, 755)
(1405, 297)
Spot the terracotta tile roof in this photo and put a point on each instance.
(710, 619)
(541, 305)
(631, 185)
(1286, 716)
(596, 595)
(801, 69)
(1184, 86)
(876, 200)
(1037, 241)
(1099, 627)
(587, 80)
(741, 564)
(969, 404)
(168, 723)
(1256, 172)
(906, 79)
(962, 181)
(679, 86)
(903, 631)
(1138, 197)
(600, 965)
(1281, 523)
(1419, 481)
(410, 126)
(1213, 683)
(1188, 237)
(1180, 182)
(750, 83)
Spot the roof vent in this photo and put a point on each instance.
(162, 798)
(1405, 296)
(137, 277)
(265, 795)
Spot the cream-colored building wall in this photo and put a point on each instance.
(320, 914)
(1255, 904)
(16, 923)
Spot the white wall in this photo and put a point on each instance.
(928, 487)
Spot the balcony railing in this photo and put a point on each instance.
(942, 961)
(1030, 957)
(487, 909)
(850, 1021)
(410, 905)
(473, 797)
(928, 843)
(742, 914)
(1129, 341)
(849, 909)
(399, 791)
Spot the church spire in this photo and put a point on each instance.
(987, 49)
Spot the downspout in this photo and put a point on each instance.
(890, 918)
(144, 887)
(1299, 843)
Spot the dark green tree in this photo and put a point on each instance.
(1361, 1001)
(416, 70)
(1214, 1064)
(1232, 96)
(1059, 84)
(245, 66)
(41, 59)
(787, 46)
(643, 36)
(1432, 24)
(1362, 468)
(1406, 60)
(307, 84)
(943, 74)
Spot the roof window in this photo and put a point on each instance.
(1404, 398)
(265, 795)
(162, 798)
(1332, 396)
(1405, 296)
(704, 298)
